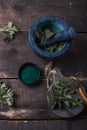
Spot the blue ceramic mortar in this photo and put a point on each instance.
(54, 23)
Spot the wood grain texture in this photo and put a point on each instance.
(76, 14)
(24, 12)
(34, 114)
(17, 52)
(28, 97)
(30, 102)
(74, 62)
(44, 125)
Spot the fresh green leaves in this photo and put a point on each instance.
(6, 94)
(9, 32)
(52, 102)
(64, 94)
(46, 34)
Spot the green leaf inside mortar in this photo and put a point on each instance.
(45, 34)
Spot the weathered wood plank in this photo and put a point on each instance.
(44, 125)
(13, 54)
(76, 14)
(32, 97)
(30, 102)
(32, 114)
(23, 13)
(74, 62)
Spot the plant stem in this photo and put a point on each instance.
(4, 28)
(2, 33)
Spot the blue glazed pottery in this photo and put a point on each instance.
(29, 73)
(52, 22)
(65, 35)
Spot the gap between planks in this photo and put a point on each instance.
(28, 31)
(28, 120)
(18, 78)
(79, 78)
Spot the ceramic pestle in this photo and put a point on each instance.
(65, 35)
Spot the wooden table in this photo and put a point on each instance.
(31, 110)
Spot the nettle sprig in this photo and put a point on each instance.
(8, 32)
(64, 94)
(6, 94)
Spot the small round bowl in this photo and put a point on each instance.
(29, 73)
(52, 22)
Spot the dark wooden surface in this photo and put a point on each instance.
(44, 125)
(31, 110)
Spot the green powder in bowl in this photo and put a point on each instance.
(29, 73)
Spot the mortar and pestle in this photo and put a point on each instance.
(62, 33)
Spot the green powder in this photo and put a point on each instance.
(29, 74)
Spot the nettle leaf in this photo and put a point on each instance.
(55, 82)
(63, 91)
(74, 103)
(6, 39)
(38, 33)
(14, 29)
(48, 33)
(53, 103)
(3, 86)
(69, 97)
(43, 34)
(60, 98)
(10, 24)
(59, 92)
(66, 103)
(6, 94)
(9, 101)
(9, 32)
(12, 34)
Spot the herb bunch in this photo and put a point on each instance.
(64, 94)
(6, 94)
(46, 34)
(8, 32)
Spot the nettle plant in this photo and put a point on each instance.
(8, 32)
(6, 94)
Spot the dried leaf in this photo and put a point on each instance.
(48, 68)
